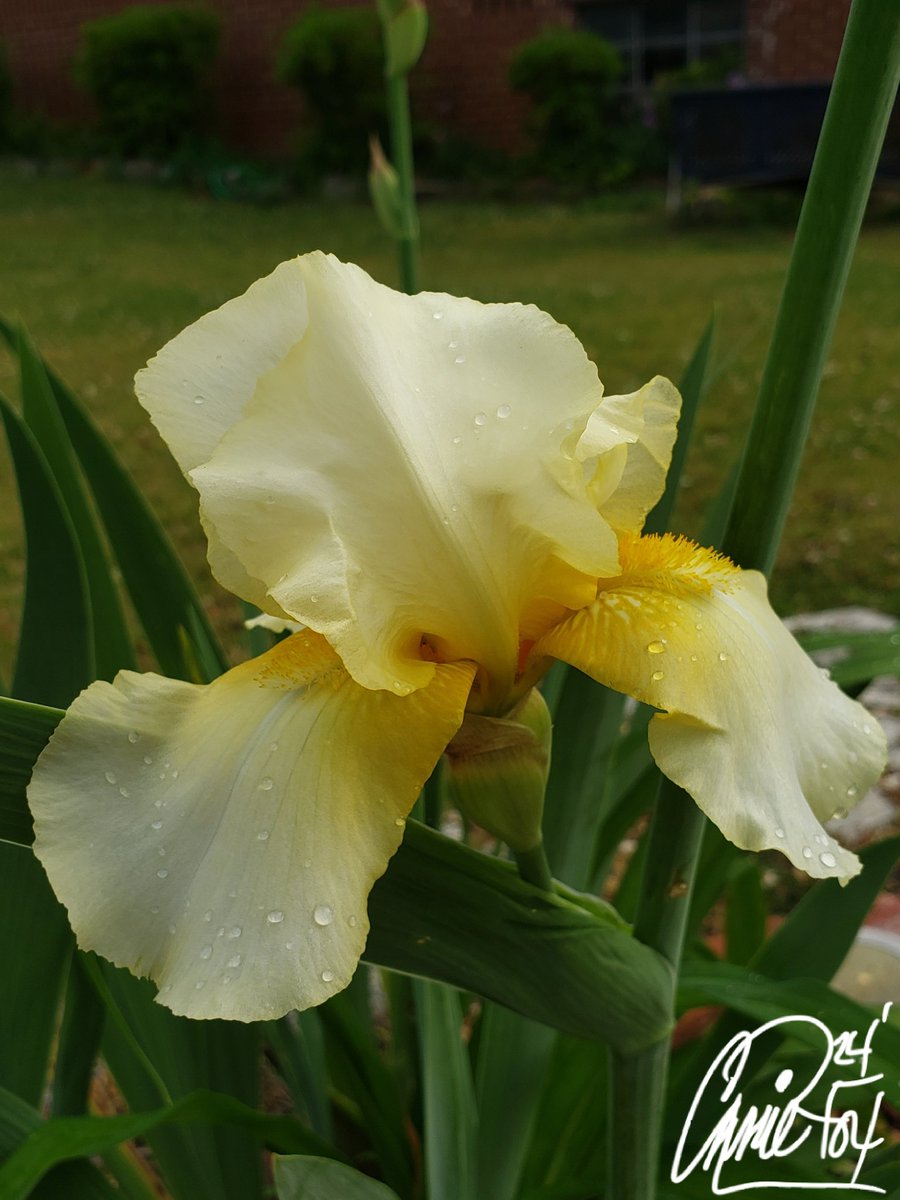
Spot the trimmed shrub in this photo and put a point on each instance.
(334, 57)
(570, 78)
(145, 68)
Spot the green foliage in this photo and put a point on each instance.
(145, 68)
(334, 58)
(570, 76)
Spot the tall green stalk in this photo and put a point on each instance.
(864, 88)
(402, 153)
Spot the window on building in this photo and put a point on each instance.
(658, 36)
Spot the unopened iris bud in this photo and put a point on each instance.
(498, 771)
(405, 24)
(384, 190)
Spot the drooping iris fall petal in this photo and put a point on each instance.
(224, 839)
(766, 744)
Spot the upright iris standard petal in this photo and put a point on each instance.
(223, 839)
(766, 744)
(422, 453)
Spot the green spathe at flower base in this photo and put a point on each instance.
(437, 496)
(497, 770)
(384, 191)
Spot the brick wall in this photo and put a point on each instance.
(794, 40)
(460, 83)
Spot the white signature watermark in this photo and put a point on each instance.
(776, 1131)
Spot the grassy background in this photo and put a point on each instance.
(102, 274)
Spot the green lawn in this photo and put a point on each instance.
(104, 273)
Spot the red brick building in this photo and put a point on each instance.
(461, 82)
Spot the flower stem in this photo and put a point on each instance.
(852, 134)
(402, 155)
(534, 867)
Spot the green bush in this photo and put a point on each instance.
(334, 57)
(145, 68)
(570, 77)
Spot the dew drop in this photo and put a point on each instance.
(827, 859)
(199, 985)
(454, 508)
(657, 676)
(867, 730)
(275, 917)
(693, 658)
(266, 785)
(480, 419)
(352, 922)
(124, 792)
(459, 360)
(263, 835)
(779, 832)
(807, 853)
(155, 909)
(161, 852)
(174, 774)
(232, 895)
(198, 399)
(207, 916)
(323, 914)
(234, 961)
(157, 803)
(655, 648)
(839, 814)
(451, 345)
(109, 777)
(400, 822)
(457, 440)
(327, 976)
(220, 931)
(226, 979)
(504, 411)
(438, 316)
(206, 952)
(723, 657)
(132, 737)
(162, 873)
(274, 747)
(852, 790)
(314, 599)
(147, 760)
(156, 824)
(235, 931)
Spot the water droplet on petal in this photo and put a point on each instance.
(657, 676)
(288, 945)
(147, 760)
(352, 922)
(198, 399)
(504, 411)
(459, 360)
(457, 440)
(867, 730)
(174, 774)
(655, 648)
(438, 316)
(839, 814)
(156, 824)
(693, 658)
(400, 822)
(723, 657)
(480, 419)
(234, 961)
(327, 976)
(124, 792)
(206, 952)
(266, 785)
(162, 873)
(451, 345)
(109, 777)
(220, 931)
(827, 859)
(275, 917)
(314, 599)
(274, 747)
(207, 916)
(132, 737)
(235, 931)
(779, 832)
(155, 909)
(807, 853)
(852, 790)
(200, 984)
(263, 835)
(323, 914)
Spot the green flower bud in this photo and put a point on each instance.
(405, 24)
(384, 190)
(497, 771)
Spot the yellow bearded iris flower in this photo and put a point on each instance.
(437, 496)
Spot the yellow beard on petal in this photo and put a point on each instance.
(672, 563)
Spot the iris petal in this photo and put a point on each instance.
(766, 744)
(223, 839)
